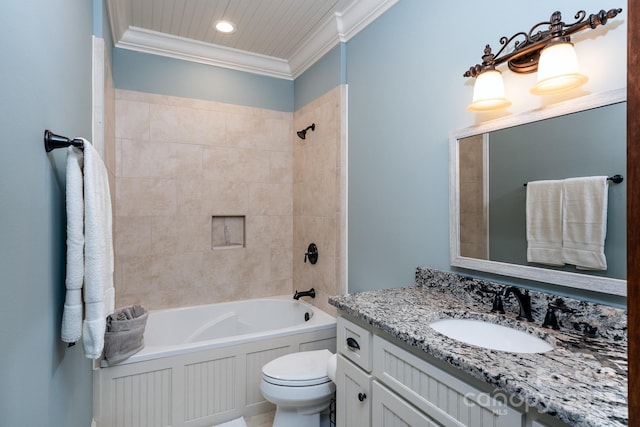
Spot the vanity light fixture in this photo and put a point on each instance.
(548, 51)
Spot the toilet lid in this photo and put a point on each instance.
(298, 369)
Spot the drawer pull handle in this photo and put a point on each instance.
(353, 344)
(362, 397)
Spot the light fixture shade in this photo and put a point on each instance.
(488, 92)
(558, 70)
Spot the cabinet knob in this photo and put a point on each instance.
(362, 397)
(353, 344)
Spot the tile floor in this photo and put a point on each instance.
(262, 420)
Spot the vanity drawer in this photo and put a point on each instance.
(354, 342)
(443, 397)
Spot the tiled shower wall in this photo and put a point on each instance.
(179, 162)
(319, 196)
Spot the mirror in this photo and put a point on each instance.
(491, 163)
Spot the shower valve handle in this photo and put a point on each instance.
(311, 254)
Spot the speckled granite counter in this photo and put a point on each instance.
(583, 381)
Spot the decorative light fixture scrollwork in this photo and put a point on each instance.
(549, 51)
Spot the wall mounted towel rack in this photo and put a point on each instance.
(616, 179)
(53, 141)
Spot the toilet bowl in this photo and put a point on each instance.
(299, 385)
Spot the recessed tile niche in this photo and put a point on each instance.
(227, 232)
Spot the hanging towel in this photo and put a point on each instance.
(72, 313)
(99, 294)
(584, 225)
(544, 222)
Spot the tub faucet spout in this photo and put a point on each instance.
(524, 301)
(310, 293)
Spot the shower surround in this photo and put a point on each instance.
(180, 162)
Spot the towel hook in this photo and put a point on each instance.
(53, 141)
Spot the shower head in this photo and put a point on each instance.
(302, 134)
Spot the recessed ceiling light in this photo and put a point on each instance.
(225, 27)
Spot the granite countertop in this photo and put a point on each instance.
(582, 381)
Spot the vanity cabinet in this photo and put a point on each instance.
(445, 399)
(381, 384)
(353, 375)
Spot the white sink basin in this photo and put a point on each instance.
(490, 335)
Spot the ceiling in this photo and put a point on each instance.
(278, 38)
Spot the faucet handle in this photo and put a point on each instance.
(550, 319)
(497, 307)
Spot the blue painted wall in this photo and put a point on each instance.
(406, 93)
(327, 73)
(46, 72)
(167, 76)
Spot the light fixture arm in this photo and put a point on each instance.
(526, 50)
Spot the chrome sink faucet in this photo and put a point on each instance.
(524, 301)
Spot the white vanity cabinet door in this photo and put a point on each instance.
(443, 397)
(353, 395)
(354, 342)
(391, 411)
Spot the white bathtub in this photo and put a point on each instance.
(202, 365)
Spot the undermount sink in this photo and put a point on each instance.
(490, 335)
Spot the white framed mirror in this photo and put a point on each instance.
(489, 165)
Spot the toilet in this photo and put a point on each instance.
(300, 387)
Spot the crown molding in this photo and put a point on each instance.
(147, 41)
(338, 28)
(359, 15)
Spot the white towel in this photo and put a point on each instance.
(99, 294)
(238, 422)
(544, 222)
(584, 225)
(72, 313)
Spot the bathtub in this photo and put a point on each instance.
(202, 365)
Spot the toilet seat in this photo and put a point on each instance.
(307, 368)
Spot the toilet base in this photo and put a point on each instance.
(289, 417)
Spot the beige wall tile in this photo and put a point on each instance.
(132, 236)
(143, 159)
(225, 198)
(228, 164)
(270, 199)
(281, 264)
(318, 191)
(145, 197)
(186, 125)
(137, 275)
(132, 120)
(269, 231)
(180, 233)
(180, 161)
(281, 167)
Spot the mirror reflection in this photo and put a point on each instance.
(491, 173)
